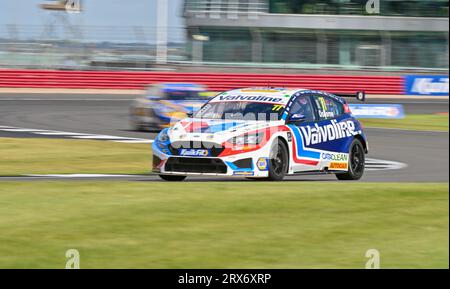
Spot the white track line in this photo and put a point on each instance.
(371, 164)
(99, 136)
(80, 176)
(62, 133)
(22, 130)
(135, 141)
(381, 165)
(76, 135)
(64, 99)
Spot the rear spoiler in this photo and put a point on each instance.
(359, 95)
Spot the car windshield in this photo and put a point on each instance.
(242, 110)
(182, 94)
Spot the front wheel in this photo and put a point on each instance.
(278, 161)
(356, 162)
(171, 178)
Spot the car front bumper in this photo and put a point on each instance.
(247, 164)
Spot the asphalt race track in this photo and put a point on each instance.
(425, 153)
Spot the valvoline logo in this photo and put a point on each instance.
(194, 152)
(255, 98)
(335, 130)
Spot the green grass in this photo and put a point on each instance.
(434, 122)
(59, 156)
(223, 225)
(208, 225)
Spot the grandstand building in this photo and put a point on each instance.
(383, 34)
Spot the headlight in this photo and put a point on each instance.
(163, 136)
(247, 139)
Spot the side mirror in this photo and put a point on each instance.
(296, 118)
(190, 114)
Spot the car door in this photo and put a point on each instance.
(335, 132)
(304, 158)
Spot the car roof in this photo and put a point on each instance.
(182, 86)
(280, 91)
(285, 93)
(258, 94)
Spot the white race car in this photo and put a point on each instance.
(264, 133)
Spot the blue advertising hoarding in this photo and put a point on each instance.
(377, 110)
(432, 85)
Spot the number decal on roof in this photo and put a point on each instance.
(277, 107)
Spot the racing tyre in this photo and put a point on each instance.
(278, 161)
(137, 127)
(171, 178)
(356, 162)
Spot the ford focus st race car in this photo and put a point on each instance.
(166, 102)
(264, 133)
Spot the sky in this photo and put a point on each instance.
(106, 20)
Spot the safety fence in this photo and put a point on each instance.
(213, 81)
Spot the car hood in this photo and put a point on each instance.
(215, 130)
(186, 106)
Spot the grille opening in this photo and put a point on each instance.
(196, 165)
(214, 148)
(244, 163)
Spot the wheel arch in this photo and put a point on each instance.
(282, 139)
(363, 141)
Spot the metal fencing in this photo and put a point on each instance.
(232, 6)
(108, 47)
(85, 47)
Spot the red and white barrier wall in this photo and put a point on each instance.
(21, 78)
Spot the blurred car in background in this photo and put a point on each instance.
(166, 102)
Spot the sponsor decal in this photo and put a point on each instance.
(277, 107)
(340, 157)
(326, 114)
(193, 152)
(434, 85)
(377, 110)
(256, 98)
(335, 130)
(338, 166)
(243, 173)
(289, 136)
(262, 164)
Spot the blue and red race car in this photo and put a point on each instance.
(166, 102)
(264, 133)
